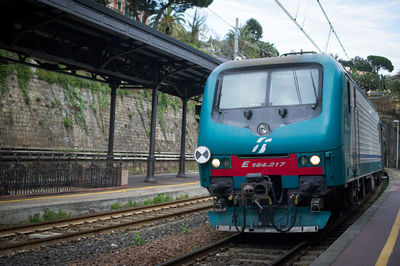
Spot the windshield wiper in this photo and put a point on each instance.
(315, 104)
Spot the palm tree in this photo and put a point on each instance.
(195, 27)
(169, 20)
(244, 41)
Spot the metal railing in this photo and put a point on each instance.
(40, 177)
(47, 154)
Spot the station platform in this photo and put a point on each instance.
(16, 210)
(373, 238)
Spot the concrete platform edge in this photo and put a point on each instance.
(337, 248)
(84, 206)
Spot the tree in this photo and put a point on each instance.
(367, 81)
(379, 62)
(255, 29)
(394, 84)
(361, 64)
(346, 63)
(168, 21)
(244, 41)
(249, 47)
(266, 49)
(145, 8)
(195, 28)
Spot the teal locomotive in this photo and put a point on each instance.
(285, 143)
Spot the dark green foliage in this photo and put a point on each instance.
(346, 63)
(72, 87)
(379, 62)
(24, 74)
(361, 64)
(249, 47)
(185, 229)
(67, 123)
(192, 37)
(42, 122)
(11, 117)
(50, 215)
(138, 240)
(394, 84)
(116, 206)
(255, 29)
(157, 7)
(35, 218)
(5, 70)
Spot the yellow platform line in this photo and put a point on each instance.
(391, 241)
(98, 193)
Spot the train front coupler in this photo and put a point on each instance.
(259, 191)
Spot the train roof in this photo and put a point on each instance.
(289, 59)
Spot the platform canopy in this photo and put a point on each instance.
(72, 36)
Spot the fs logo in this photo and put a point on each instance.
(262, 141)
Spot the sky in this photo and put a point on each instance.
(364, 27)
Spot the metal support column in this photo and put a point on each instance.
(110, 151)
(182, 158)
(151, 160)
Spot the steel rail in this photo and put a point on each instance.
(194, 256)
(9, 248)
(191, 257)
(97, 215)
(331, 228)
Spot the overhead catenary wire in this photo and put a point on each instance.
(298, 25)
(234, 28)
(332, 29)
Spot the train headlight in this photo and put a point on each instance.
(215, 163)
(315, 160)
(262, 129)
(303, 160)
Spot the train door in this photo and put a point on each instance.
(355, 131)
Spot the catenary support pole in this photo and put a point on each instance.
(236, 45)
(111, 128)
(151, 160)
(182, 159)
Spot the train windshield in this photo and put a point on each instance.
(274, 87)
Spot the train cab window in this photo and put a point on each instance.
(268, 88)
(235, 86)
(273, 94)
(293, 87)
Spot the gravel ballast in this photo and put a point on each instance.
(163, 240)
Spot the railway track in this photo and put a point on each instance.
(274, 249)
(27, 237)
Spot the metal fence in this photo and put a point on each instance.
(39, 177)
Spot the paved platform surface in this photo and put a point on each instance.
(17, 210)
(373, 238)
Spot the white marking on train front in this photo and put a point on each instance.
(255, 148)
(264, 146)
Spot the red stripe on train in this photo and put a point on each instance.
(270, 166)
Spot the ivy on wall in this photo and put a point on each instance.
(24, 74)
(73, 89)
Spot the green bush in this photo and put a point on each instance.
(35, 218)
(138, 240)
(50, 215)
(67, 123)
(128, 205)
(116, 206)
(185, 229)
